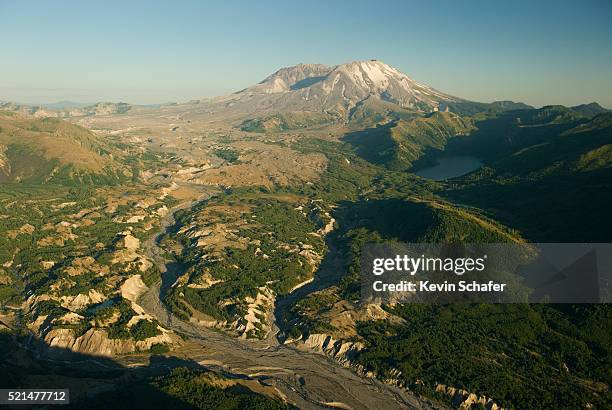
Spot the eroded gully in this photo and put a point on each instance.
(308, 380)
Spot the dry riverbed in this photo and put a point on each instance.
(306, 379)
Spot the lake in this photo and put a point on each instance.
(450, 167)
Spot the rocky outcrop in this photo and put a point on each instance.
(132, 288)
(325, 344)
(26, 229)
(303, 283)
(96, 342)
(82, 300)
(131, 242)
(258, 309)
(344, 351)
(464, 400)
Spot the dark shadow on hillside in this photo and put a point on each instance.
(533, 208)
(390, 218)
(375, 145)
(494, 137)
(307, 82)
(95, 382)
(428, 158)
(173, 270)
(508, 132)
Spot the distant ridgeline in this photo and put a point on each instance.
(566, 152)
(547, 172)
(490, 135)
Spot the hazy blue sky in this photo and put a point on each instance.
(539, 52)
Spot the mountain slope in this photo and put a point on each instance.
(362, 93)
(399, 144)
(501, 134)
(290, 78)
(585, 147)
(590, 110)
(52, 150)
(337, 90)
(552, 181)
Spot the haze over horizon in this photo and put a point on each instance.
(545, 53)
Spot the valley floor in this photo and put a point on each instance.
(205, 245)
(308, 380)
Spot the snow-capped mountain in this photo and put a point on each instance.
(339, 89)
(290, 78)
